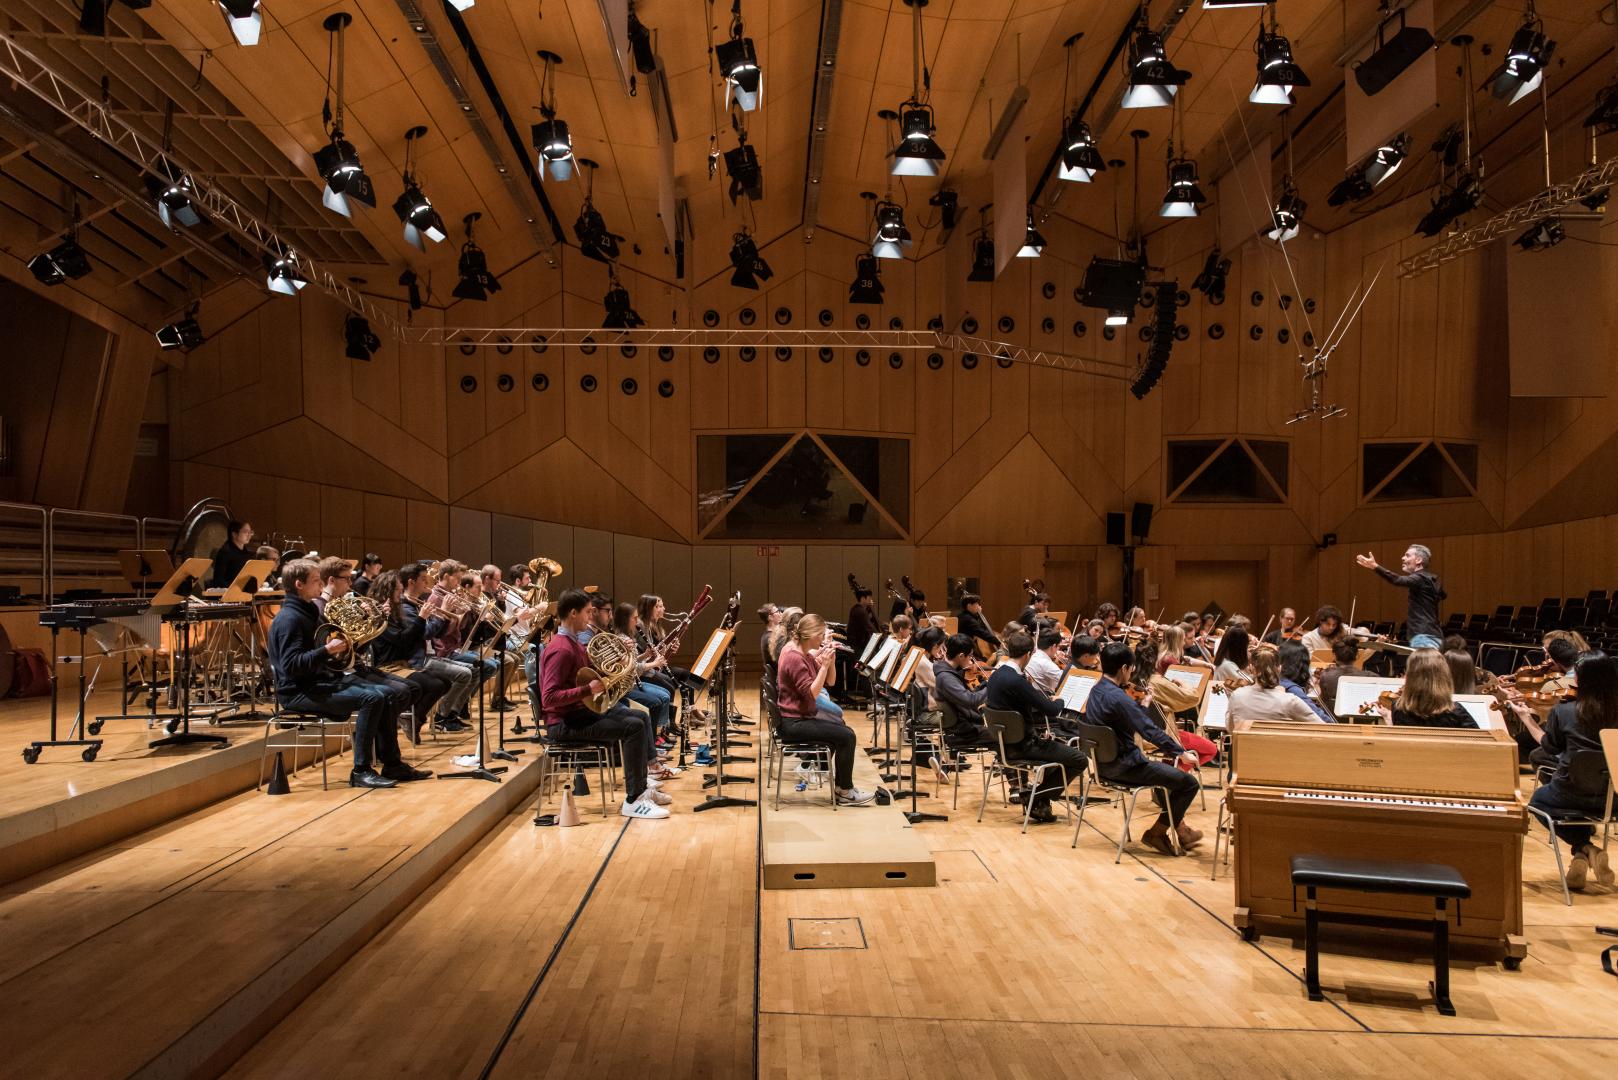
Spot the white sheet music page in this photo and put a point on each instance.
(1075, 689)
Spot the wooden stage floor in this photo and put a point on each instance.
(647, 948)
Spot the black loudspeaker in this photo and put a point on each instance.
(1115, 530)
(1392, 56)
(1140, 520)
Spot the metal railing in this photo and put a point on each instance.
(24, 546)
(46, 552)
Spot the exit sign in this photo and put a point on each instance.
(768, 551)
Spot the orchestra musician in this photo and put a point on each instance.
(1425, 593)
(1043, 669)
(1297, 677)
(1328, 630)
(1286, 628)
(1108, 615)
(370, 567)
(567, 720)
(337, 580)
(232, 555)
(1265, 698)
(1039, 604)
(965, 704)
(970, 621)
(308, 679)
(1345, 661)
(804, 664)
(400, 647)
(423, 625)
(651, 609)
(1084, 652)
(1427, 698)
(1009, 688)
(657, 700)
(900, 628)
(861, 625)
(1231, 658)
(1175, 650)
(770, 617)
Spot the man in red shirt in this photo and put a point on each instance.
(568, 720)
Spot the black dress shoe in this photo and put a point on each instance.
(404, 774)
(501, 705)
(1042, 815)
(449, 725)
(367, 778)
(465, 713)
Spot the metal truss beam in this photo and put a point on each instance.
(1551, 201)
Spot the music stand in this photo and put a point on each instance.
(186, 581)
(144, 567)
(716, 657)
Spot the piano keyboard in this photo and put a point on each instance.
(1394, 801)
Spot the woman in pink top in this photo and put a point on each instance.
(801, 673)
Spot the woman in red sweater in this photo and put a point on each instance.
(801, 673)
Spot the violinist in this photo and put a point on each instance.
(1174, 650)
(1463, 673)
(1328, 631)
(965, 706)
(1265, 699)
(1231, 658)
(1570, 728)
(1096, 630)
(1563, 649)
(1039, 604)
(1296, 677)
(1345, 660)
(1428, 696)
(1043, 669)
(1286, 628)
(971, 622)
(1107, 615)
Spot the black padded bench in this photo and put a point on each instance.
(1442, 883)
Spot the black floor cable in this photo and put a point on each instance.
(556, 950)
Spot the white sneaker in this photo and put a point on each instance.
(666, 767)
(653, 783)
(808, 775)
(855, 797)
(661, 798)
(642, 808)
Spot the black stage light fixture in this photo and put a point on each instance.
(1603, 119)
(982, 258)
(1542, 235)
(1153, 81)
(244, 19)
(1450, 205)
(184, 334)
(640, 44)
(93, 17)
(1286, 219)
(1033, 241)
(462, 5)
(891, 239)
(338, 162)
(421, 222)
(1392, 54)
(946, 201)
(1081, 159)
(1184, 197)
(621, 315)
(476, 282)
(1114, 286)
(596, 241)
(1527, 56)
(1211, 281)
(1369, 174)
(283, 274)
(412, 289)
(738, 63)
(867, 285)
(1278, 73)
(746, 175)
(918, 153)
(66, 260)
(552, 141)
(173, 195)
(747, 264)
(359, 342)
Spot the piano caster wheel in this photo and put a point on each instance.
(31, 754)
(95, 728)
(89, 753)
(1248, 933)
(1513, 963)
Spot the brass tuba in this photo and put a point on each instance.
(543, 570)
(612, 660)
(358, 620)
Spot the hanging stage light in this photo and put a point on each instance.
(476, 282)
(338, 162)
(185, 334)
(1153, 81)
(1286, 219)
(621, 315)
(1451, 205)
(552, 141)
(1278, 74)
(1542, 235)
(596, 241)
(867, 286)
(284, 275)
(738, 63)
(1365, 177)
(173, 194)
(463, 5)
(892, 239)
(1211, 281)
(1033, 241)
(1081, 160)
(1183, 198)
(946, 201)
(65, 260)
(1526, 59)
(1113, 285)
(359, 343)
(412, 289)
(245, 20)
(917, 153)
(982, 258)
(415, 210)
(746, 175)
(1603, 119)
(748, 265)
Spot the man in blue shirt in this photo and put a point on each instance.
(1110, 706)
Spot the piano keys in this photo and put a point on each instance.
(1438, 795)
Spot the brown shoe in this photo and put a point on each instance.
(1189, 837)
(1157, 838)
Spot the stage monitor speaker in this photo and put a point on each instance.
(1115, 530)
(1140, 520)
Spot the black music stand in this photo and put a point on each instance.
(483, 770)
(172, 599)
(717, 779)
(500, 725)
(56, 618)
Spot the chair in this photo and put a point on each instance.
(1455, 622)
(778, 747)
(1589, 770)
(1008, 725)
(949, 720)
(290, 729)
(1101, 744)
(1597, 611)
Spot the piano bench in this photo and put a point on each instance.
(1442, 883)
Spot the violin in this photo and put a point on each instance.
(1231, 685)
(1387, 699)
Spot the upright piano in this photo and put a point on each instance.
(1439, 795)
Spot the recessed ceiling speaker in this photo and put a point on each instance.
(538, 343)
(747, 353)
(1048, 290)
(587, 347)
(825, 316)
(969, 325)
(1047, 325)
(783, 353)
(504, 348)
(1256, 332)
(665, 353)
(711, 354)
(969, 360)
(863, 358)
(783, 316)
(710, 318)
(862, 321)
(1216, 331)
(826, 354)
(747, 316)
(934, 361)
(1283, 335)
(1256, 299)
(1108, 333)
(505, 383)
(1079, 328)
(1006, 324)
(896, 323)
(628, 351)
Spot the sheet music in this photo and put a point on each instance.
(871, 644)
(1217, 713)
(1478, 706)
(907, 670)
(886, 674)
(882, 661)
(710, 653)
(1075, 688)
(1355, 690)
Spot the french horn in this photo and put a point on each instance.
(358, 620)
(612, 660)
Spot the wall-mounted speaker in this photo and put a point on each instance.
(1140, 520)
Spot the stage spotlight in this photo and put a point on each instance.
(1153, 81)
(415, 210)
(1278, 74)
(184, 334)
(1392, 55)
(338, 162)
(551, 138)
(746, 175)
(621, 315)
(747, 264)
(1114, 286)
(1033, 241)
(892, 239)
(462, 5)
(1526, 58)
(1184, 197)
(412, 289)
(1211, 281)
(1542, 235)
(172, 193)
(65, 260)
(595, 240)
(1603, 119)
(946, 201)
(982, 258)
(245, 20)
(93, 17)
(359, 343)
(1286, 219)
(917, 154)
(640, 45)
(476, 282)
(1451, 205)
(285, 276)
(1365, 177)
(1081, 160)
(867, 286)
(738, 63)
